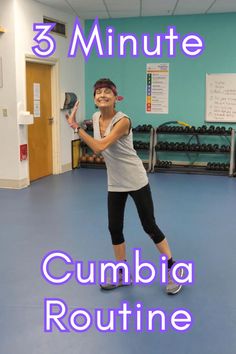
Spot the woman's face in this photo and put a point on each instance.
(104, 98)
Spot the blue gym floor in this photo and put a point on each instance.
(68, 213)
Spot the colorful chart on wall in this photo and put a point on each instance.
(157, 88)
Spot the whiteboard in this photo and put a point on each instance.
(220, 98)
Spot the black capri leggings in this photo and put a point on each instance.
(144, 205)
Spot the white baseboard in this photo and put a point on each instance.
(65, 168)
(14, 184)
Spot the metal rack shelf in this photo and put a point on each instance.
(189, 167)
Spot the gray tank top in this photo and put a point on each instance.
(125, 170)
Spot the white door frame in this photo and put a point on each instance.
(55, 91)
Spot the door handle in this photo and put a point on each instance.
(51, 119)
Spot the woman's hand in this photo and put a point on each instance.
(71, 119)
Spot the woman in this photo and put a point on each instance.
(126, 175)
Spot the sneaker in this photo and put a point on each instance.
(172, 287)
(110, 286)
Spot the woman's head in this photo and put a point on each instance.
(105, 94)
(104, 83)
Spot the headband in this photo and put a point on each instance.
(107, 85)
(110, 86)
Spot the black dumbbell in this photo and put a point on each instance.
(209, 148)
(186, 129)
(175, 147)
(163, 145)
(222, 166)
(187, 147)
(211, 129)
(171, 146)
(222, 130)
(209, 165)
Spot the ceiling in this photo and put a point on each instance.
(89, 9)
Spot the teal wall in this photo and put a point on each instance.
(187, 75)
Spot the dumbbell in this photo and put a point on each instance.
(97, 159)
(222, 130)
(186, 129)
(147, 128)
(171, 146)
(182, 146)
(83, 158)
(172, 129)
(165, 164)
(215, 147)
(164, 145)
(203, 147)
(135, 144)
(162, 128)
(192, 147)
(159, 163)
(143, 145)
(223, 148)
(175, 147)
(187, 147)
(222, 166)
(211, 129)
(209, 148)
(209, 166)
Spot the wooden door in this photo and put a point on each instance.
(38, 83)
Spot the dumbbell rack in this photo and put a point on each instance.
(144, 145)
(187, 166)
(85, 148)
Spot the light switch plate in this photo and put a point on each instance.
(3, 112)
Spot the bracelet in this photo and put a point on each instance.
(76, 130)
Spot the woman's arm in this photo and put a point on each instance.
(120, 129)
